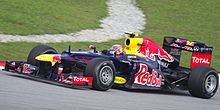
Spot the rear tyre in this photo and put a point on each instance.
(103, 72)
(203, 82)
(38, 50)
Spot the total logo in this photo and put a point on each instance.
(80, 79)
(200, 60)
(143, 77)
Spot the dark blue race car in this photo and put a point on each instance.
(139, 64)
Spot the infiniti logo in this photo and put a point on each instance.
(196, 48)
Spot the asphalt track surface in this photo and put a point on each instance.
(20, 93)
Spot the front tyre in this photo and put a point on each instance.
(45, 68)
(103, 73)
(39, 50)
(203, 82)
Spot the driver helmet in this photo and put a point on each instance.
(118, 50)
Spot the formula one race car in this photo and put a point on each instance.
(140, 64)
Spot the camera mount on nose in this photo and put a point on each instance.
(131, 34)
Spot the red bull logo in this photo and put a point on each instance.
(149, 49)
(143, 77)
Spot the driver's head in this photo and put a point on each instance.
(118, 49)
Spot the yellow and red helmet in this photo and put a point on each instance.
(118, 49)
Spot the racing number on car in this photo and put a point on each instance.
(143, 77)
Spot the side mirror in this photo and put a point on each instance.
(92, 49)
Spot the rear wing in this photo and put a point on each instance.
(201, 53)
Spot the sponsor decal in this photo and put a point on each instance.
(164, 64)
(67, 80)
(175, 45)
(202, 49)
(183, 41)
(187, 48)
(180, 41)
(196, 48)
(25, 69)
(200, 60)
(150, 50)
(143, 77)
(80, 80)
(183, 47)
(131, 57)
(119, 80)
(207, 49)
(189, 43)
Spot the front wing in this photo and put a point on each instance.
(31, 71)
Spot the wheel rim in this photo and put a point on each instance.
(106, 75)
(210, 83)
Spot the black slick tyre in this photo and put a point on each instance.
(38, 50)
(103, 72)
(203, 82)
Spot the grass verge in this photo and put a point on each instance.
(25, 17)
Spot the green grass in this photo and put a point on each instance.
(26, 17)
(195, 20)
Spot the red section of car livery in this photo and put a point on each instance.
(150, 49)
(79, 80)
(25, 69)
(143, 77)
(200, 60)
(57, 59)
(2, 65)
(76, 80)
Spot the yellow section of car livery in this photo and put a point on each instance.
(119, 80)
(132, 45)
(48, 58)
